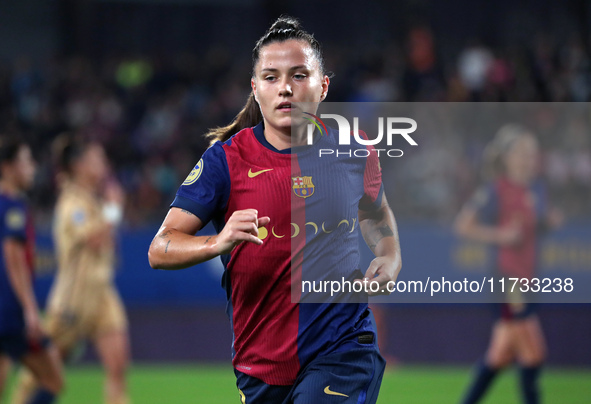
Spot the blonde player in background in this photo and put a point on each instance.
(83, 303)
(511, 212)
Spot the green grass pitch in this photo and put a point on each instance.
(157, 384)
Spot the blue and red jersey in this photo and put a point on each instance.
(503, 202)
(313, 204)
(15, 223)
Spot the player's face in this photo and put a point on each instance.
(93, 164)
(25, 168)
(286, 72)
(522, 159)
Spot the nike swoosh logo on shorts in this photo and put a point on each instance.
(328, 391)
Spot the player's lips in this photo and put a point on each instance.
(285, 106)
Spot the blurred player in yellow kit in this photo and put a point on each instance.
(83, 303)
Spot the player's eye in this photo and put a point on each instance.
(270, 78)
(299, 76)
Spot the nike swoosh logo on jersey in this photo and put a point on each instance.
(252, 175)
(328, 391)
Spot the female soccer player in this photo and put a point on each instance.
(246, 183)
(83, 302)
(509, 213)
(21, 334)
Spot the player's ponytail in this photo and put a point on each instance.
(283, 29)
(250, 115)
(494, 154)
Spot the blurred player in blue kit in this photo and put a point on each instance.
(22, 337)
(280, 212)
(83, 303)
(510, 212)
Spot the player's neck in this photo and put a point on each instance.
(279, 139)
(84, 183)
(517, 179)
(8, 187)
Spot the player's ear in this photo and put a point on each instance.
(325, 84)
(254, 89)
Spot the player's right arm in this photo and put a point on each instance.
(476, 221)
(176, 247)
(202, 195)
(20, 280)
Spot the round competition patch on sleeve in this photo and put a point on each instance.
(78, 217)
(15, 219)
(194, 174)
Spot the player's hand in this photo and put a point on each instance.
(381, 271)
(33, 325)
(555, 218)
(113, 192)
(242, 226)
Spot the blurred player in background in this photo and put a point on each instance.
(21, 334)
(509, 213)
(83, 303)
(286, 352)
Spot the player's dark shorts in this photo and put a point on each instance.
(351, 375)
(512, 311)
(16, 346)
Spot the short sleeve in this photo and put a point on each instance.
(485, 202)
(15, 222)
(75, 220)
(373, 188)
(206, 189)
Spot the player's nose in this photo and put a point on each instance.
(285, 89)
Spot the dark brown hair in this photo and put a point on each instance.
(9, 148)
(66, 150)
(283, 29)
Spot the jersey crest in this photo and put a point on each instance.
(303, 186)
(15, 219)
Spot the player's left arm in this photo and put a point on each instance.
(550, 218)
(19, 277)
(380, 232)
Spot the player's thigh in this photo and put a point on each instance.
(66, 329)
(252, 390)
(354, 376)
(110, 315)
(501, 350)
(45, 364)
(530, 341)
(110, 333)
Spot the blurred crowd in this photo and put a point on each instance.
(151, 111)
